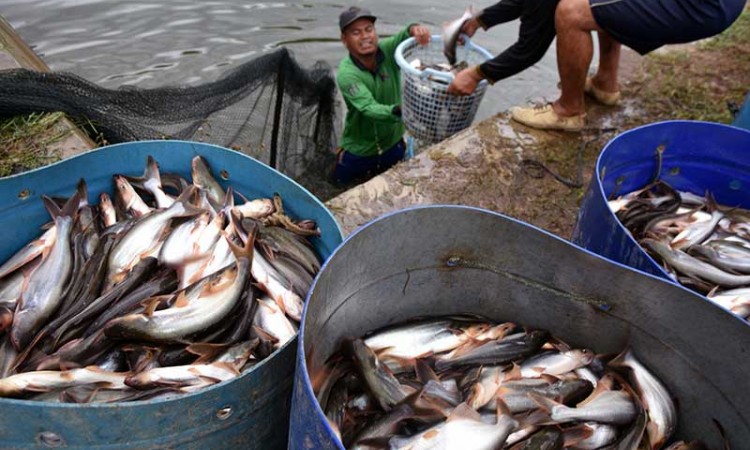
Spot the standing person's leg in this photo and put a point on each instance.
(575, 48)
(603, 86)
(573, 23)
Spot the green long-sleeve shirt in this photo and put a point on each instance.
(371, 127)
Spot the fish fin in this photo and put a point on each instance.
(514, 373)
(464, 411)
(51, 206)
(244, 199)
(534, 418)
(549, 378)
(181, 301)
(502, 407)
(574, 435)
(151, 172)
(605, 383)
(264, 335)
(206, 351)
(150, 305)
(621, 359)
(544, 403)
(83, 193)
(229, 199)
(246, 251)
(424, 372)
(560, 346)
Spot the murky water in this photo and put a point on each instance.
(186, 42)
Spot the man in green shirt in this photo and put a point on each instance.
(370, 82)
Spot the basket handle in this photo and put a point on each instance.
(434, 39)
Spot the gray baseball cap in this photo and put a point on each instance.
(353, 14)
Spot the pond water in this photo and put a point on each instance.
(184, 42)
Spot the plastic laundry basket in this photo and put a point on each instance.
(429, 112)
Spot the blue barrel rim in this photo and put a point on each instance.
(301, 359)
(244, 374)
(600, 179)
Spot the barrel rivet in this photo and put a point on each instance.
(224, 175)
(454, 261)
(24, 194)
(224, 413)
(50, 439)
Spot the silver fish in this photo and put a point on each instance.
(655, 398)
(129, 200)
(451, 30)
(380, 382)
(152, 183)
(187, 378)
(691, 266)
(145, 238)
(29, 252)
(203, 178)
(612, 407)
(464, 428)
(271, 319)
(46, 284)
(45, 380)
(599, 435)
(272, 283)
(556, 363)
(194, 309)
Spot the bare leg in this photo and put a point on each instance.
(609, 62)
(574, 23)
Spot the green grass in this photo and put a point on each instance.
(697, 83)
(25, 142)
(738, 32)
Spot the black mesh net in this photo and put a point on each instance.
(269, 108)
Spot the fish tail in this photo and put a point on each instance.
(152, 171)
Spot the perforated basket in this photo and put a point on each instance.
(429, 112)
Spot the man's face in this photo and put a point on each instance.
(360, 38)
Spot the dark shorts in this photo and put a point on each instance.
(350, 167)
(645, 25)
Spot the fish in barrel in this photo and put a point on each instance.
(465, 382)
(163, 287)
(702, 244)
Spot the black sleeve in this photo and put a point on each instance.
(535, 35)
(501, 12)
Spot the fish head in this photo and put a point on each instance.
(360, 38)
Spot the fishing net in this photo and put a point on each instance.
(269, 108)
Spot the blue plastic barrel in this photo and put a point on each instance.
(248, 412)
(475, 261)
(696, 157)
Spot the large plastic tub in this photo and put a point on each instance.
(474, 261)
(249, 412)
(696, 157)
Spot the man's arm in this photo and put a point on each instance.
(419, 32)
(360, 98)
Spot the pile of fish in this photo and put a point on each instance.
(703, 245)
(466, 383)
(164, 288)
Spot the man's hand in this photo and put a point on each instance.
(465, 82)
(470, 27)
(421, 33)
